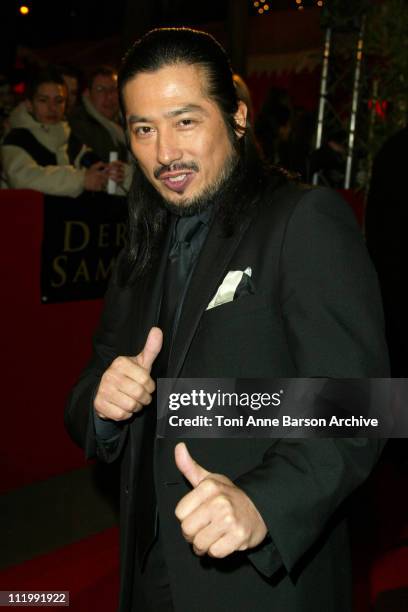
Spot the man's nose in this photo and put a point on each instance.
(168, 149)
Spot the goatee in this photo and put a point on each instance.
(210, 196)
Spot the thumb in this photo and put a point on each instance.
(151, 349)
(188, 467)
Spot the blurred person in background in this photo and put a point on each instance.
(97, 118)
(329, 160)
(303, 137)
(72, 80)
(273, 128)
(95, 121)
(40, 152)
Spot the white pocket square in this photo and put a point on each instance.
(226, 291)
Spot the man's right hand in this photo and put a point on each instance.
(96, 177)
(126, 386)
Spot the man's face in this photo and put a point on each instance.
(48, 103)
(177, 134)
(103, 94)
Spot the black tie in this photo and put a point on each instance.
(179, 267)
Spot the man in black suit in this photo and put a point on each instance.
(231, 270)
(95, 120)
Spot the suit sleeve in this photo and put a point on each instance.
(332, 314)
(79, 412)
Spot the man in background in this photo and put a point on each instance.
(96, 120)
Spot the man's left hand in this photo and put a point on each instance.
(216, 517)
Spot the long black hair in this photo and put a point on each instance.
(147, 216)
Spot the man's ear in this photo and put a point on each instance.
(241, 117)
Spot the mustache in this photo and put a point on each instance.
(175, 168)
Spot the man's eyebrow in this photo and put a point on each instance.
(186, 109)
(173, 113)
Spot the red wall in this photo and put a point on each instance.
(43, 348)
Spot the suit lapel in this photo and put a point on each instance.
(210, 270)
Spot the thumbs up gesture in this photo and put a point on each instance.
(126, 386)
(216, 517)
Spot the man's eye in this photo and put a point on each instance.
(186, 122)
(143, 130)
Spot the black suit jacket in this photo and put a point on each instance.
(315, 311)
